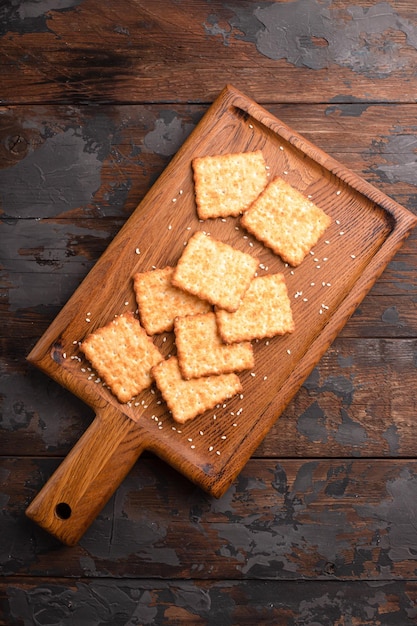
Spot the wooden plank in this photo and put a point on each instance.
(104, 159)
(197, 602)
(339, 519)
(336, 413)
(96, 53)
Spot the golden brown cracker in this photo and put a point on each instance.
(227, 184)
(123, 356)
(201, 351)
(159, 302)
(286, 221)
(265, 312)
(214, 271)
(188, 398)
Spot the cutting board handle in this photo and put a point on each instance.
(88, 476)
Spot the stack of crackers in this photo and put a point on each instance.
(213, 300)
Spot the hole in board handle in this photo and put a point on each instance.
(63, 510)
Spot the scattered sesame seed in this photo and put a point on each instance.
(327, 241)
(265, 377)
(253, 374)
(201, 433)
(218, 452)
(214, 417)
(181, 192)
(318, 266)
(192, 447)
(285, 172)
(342, 232)
(87, 319)
(292, 272)
(251, 244)
(281, 148)
(337, 221)
(83, 369)
(211, 449)
(309, 196)
(267, 167)
(137, 251)
(169, 226)
(223, 437)
(74, 343)
(234, 424)
(190, 438)
(312, 284)
(353, 256)
(174, 199)
(64, 354)
(305, 299)
(338, 192)
(250, 125)
(288, 351)
(126, 303)
(325, 258)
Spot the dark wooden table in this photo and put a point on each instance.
(320, 528)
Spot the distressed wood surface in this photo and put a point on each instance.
(320, 527)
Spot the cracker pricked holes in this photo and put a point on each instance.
(201, 351)
(159, 302)
(285, 221)
(227, 184)
(265, 312)
(123, 355)
(214, 271)
(188, 398)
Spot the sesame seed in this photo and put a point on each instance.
(87, 319)
(192, 447)
(201, 433)
(223, 437)
(253, 374)
(211, 449)
(174, 199)
(265, 377)
(180, 192)
(74, 343)
(173, 428)
(64, 354)
(169, 226)
(285, 172)
(214, 417)
(337, 221)
(137, 251)
(338, 192)
(83, 369)
(318, 266)
(312, 284)
(250, 125)
(309, 196)
(325, 258)
(190, 438)
(218, 452)
(288, 351)
(234, 424)
(267, 167)
(353, 256)
(126, 303)
(342, 232)
(281, 148)
(327, 241)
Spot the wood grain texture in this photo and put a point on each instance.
(96, 99)
(137, 52)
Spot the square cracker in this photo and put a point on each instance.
(286, 221)
(201, 351)
(214, 271)
(227, 184)
(188, 398)
(265, 312)
(159, 302)
(123, 356)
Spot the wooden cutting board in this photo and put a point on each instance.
(367, 229)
